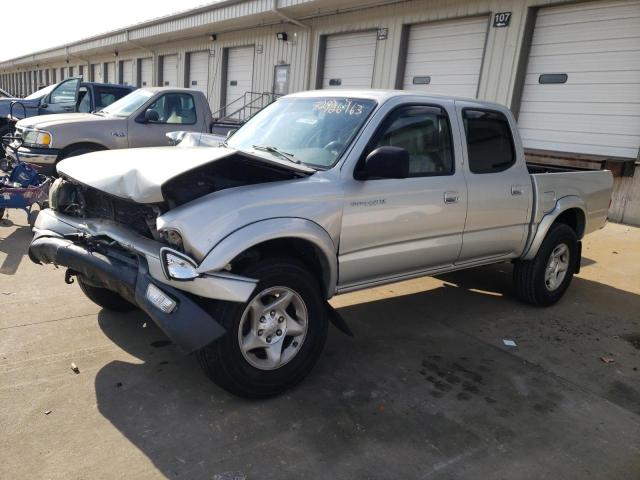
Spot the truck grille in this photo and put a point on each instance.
(134, 215)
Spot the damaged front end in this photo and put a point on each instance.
(113, 244)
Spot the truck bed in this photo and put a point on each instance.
(592, 187)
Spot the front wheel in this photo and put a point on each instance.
(543, 280)
(105, 298)
(274, 340)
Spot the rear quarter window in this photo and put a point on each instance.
(489, 141)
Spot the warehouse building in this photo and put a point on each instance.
(570, 71)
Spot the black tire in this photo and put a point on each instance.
(529, 275)
(223, 361)
(105, 298)
(4, 130)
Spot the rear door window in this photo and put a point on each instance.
(489, 141)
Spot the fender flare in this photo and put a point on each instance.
(262, 231)
(562, 205)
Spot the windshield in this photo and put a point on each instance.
(40, 93)
(313, 131)
(128, 104)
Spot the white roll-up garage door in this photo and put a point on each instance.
(170, 70)
(146, 72)
(239, 74)
(110, 74)
(96, 71)
(582, 86)
(199, 71)
(349, 60)
(446, 57)
(127, 72)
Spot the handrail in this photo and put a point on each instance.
(252, 103)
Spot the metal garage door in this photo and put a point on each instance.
(239, 74)
(126, 73)
(110, 74)
(145, 73)
(446, 57)
(170, 70)
(349, 60)
(199, 71)
(582, 86)
(96, 69)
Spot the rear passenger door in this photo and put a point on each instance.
(498, 183)
(396, 227)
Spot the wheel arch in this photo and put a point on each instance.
(78, 145)
(570, 211)
(297, 237)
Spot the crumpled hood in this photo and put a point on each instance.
(44, 122)
(138, 174)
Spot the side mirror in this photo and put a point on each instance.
(151, 115)
(385, 162)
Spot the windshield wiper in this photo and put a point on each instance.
(277, 151)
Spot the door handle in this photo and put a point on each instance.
(451, 197)
(516, 190)
(68, 109)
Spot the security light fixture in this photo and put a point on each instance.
(282, 36)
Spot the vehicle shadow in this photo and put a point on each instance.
(371, 407)
(16, 246)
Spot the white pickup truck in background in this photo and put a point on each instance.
(234, 250)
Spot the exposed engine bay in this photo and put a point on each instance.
(74, 198)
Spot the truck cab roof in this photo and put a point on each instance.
(382, 96)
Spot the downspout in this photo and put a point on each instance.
(287, 18)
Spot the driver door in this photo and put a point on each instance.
(171, 112)
(62, 99)
(397, 227)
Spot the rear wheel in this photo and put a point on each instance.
(543, 280)
(105, 298)
(274, 340)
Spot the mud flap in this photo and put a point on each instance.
(337, 320)
(579, 259)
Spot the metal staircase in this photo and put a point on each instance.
(235, 113)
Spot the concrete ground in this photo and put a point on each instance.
(426, 389)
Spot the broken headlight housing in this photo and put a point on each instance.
(177, 266)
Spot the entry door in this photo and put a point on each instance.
(395, 227)
(499, 186)
(239, 75)
(349, 60)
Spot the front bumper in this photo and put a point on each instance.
(45, 158)
(57, 241)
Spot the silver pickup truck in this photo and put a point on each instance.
(234, 250)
